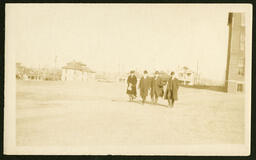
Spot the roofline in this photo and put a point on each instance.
(65, 67)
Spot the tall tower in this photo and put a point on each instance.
(235, 68)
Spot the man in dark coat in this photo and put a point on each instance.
(156, 88)
(172, 90)
(144, 86)
(131, 82)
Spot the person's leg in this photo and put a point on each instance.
(146, 92)
(156, 98)
(169, 96)
(135, 93)
(173, 102)
(130, 98)
(143, 99)
(143, 96)
(152, 97)
(169, 101)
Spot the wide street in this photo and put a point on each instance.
(96, 113)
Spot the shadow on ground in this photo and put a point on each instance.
(139, 102)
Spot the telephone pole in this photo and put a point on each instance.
(55, 62)
(55, 68)
(197, 74)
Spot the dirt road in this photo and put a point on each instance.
(97, 113)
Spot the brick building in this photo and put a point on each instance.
(235, 69)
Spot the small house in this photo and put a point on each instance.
(186, 75)
(76, 71)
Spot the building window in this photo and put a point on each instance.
(241, 71)
(240, 87)
(242, 41)
(241, 62)
(242, 19)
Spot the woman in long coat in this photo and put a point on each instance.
(132, 82)
(171, 93)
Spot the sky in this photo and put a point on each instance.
(120, 37)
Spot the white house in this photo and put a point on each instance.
(186, 75)
(76, 71)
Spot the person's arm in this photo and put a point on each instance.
(167, 85)
(128, 79)
(177, 83)
(151, 81)
(161, 82)
(139, 84)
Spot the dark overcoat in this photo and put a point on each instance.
(157, 87)
(172, 89)
(144, 86)
(132, 80)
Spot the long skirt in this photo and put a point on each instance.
(132, 91)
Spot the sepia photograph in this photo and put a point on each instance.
(128, 79)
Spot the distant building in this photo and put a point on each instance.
(50, 74)
(20, 71)
(204, 81)
(185, 75)
(235, 69)
(28, 73)
(76, 71)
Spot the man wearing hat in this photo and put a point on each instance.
(171, 93)
(132, 82)
(144, 86)
(156, 88)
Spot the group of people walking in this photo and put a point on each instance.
(154, 85)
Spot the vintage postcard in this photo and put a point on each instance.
(128, 79)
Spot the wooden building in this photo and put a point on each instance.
(76, 71)
(185, 75)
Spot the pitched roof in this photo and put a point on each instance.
(78, 66)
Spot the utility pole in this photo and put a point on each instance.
(55, 68)
(55, 62)
(197, 74)
(119, 69)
